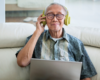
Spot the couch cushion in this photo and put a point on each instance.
(9, 70)
(94, 54)
(15, 34)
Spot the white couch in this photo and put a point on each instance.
(13, 36)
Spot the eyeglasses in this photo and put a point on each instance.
(58, 16)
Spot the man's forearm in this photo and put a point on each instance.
(24, 56)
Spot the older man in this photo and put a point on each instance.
(55, 43)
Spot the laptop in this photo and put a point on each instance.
(54, 70)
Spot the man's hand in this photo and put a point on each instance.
(39, 27)
(86, 79)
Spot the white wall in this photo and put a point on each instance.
(60, 2)
(84, 12)
(2, 11)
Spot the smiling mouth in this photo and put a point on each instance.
(55, 24)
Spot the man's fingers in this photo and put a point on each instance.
(43, 17)
(40, 21)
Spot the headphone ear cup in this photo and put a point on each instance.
(66, 20)
(44, 22)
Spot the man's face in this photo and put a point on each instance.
(55, 24)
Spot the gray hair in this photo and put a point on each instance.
(65, 9)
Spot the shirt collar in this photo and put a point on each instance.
(64, 34)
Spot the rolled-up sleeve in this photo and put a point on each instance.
(88, 70)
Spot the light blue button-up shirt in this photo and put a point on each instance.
(68, 48)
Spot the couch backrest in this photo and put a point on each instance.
(90, 36)
(15, 34)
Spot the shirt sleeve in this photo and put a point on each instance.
(27, 39)
(88, 69)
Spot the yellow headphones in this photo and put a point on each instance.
(66, 21)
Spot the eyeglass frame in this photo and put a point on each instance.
(54, 16)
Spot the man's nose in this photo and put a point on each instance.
(55, 18)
